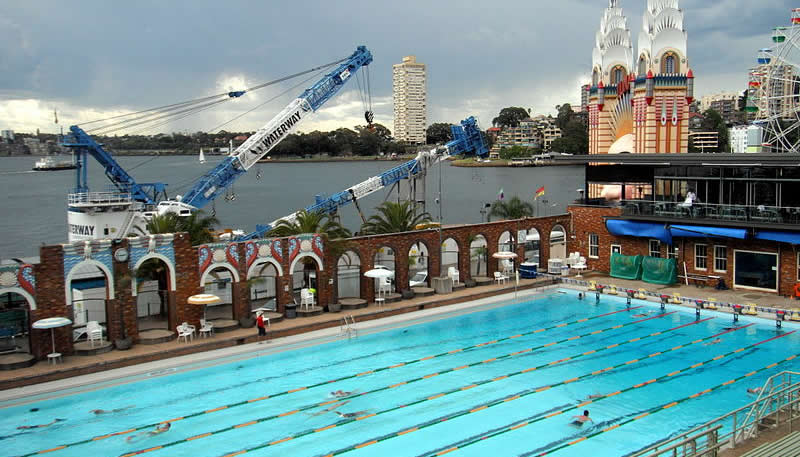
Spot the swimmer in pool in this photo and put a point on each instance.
(341, 393)
(158, 430)
(718, 340)
(330, 408)
(754, 390)
(582, 419)
(28, 427)
(593, 396)
(350, 415)
(104, 411)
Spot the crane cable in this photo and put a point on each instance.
(228, 95)
(182, 185)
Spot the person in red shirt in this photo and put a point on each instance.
(262, 330)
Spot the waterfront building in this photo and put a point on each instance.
(746, 138)
(641, 107)
(7, 135)
(771, 89)
(585, 97)
(533, 133)
(410, 100)
(726, 104)
(727, 219)
(704, 141)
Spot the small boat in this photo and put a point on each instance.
(51, 163)
(202, 156)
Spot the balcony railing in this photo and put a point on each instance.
(734, 213)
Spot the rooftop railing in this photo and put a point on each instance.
(734, 213)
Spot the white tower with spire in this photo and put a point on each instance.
(641, 107)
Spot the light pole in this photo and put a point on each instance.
(439, 200)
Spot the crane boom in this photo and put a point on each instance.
(466, 138)
(267, 137)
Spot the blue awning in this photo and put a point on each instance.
(783, 237)
(641, 229)
(698, 231)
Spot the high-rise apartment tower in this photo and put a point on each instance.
(410, 100)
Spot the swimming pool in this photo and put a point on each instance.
(505, 380)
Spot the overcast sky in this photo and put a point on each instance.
(94, 59)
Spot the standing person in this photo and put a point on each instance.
(262, 331)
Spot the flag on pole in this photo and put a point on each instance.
(500, 194)
(539, 192)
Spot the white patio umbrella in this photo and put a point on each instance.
(203, 299)
(379, 273)
(51, 323)
(505, 255)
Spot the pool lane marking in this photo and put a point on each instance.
(487, 381)
(448, 370)
(389, 367)
(662, 407)
(533, 419)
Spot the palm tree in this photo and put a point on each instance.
(314, 222)
(198, 226)
(393, 218)
(512, 209)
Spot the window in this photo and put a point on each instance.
(669, 63)
(700, 257)
(721, 258)
(672, 252)
(594, 246)
(655, 248)
(642, 66)
(616, 248)
(755, 270)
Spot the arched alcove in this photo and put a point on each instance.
(263, 281)
(558, 242)
(385, 258)
(15, 307)
(532, 245)
(478, 256)
(348, 275)
(449, 256)
(219, 281)
(89, 285)
(154, 278)
(418, 256)
(505, 244)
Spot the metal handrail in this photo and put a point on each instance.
(781, 397)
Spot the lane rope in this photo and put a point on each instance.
(531, 420)
(343, 378)
(483, 382)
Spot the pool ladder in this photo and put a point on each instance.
(348, 327)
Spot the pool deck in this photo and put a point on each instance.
(72, 366)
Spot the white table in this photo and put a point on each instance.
(580, 268)
(54, 358)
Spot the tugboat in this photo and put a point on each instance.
(50, 163)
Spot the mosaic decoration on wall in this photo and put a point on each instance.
(305, 243)
(17, 276)
(157, 244)
(218, 253)
(80, 251)
(261, 249)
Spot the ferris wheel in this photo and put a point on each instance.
(774, 89)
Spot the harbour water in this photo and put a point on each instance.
(34, 204)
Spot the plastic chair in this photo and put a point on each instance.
(94, 332)
(206, 328)
(592, 286)
(612, 290)
(750, 309)
(676, 299)
(306, 298)
(711, 303)
(500, 278)
(642, 294)
(453, 274)
(185, 332)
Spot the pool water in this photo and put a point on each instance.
(502, 381)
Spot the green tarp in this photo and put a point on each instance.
(626, 266)
(659, 271)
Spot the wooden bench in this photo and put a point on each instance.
(788, 446)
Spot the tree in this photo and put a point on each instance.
(713, 122)
(574, 139)
(510, 117)
(438, 133)
(198, 226)
(394, 218)
(514, 152)
(514, 208)
(564, 115)
(310, 222)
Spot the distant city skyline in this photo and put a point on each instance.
(530, 54)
